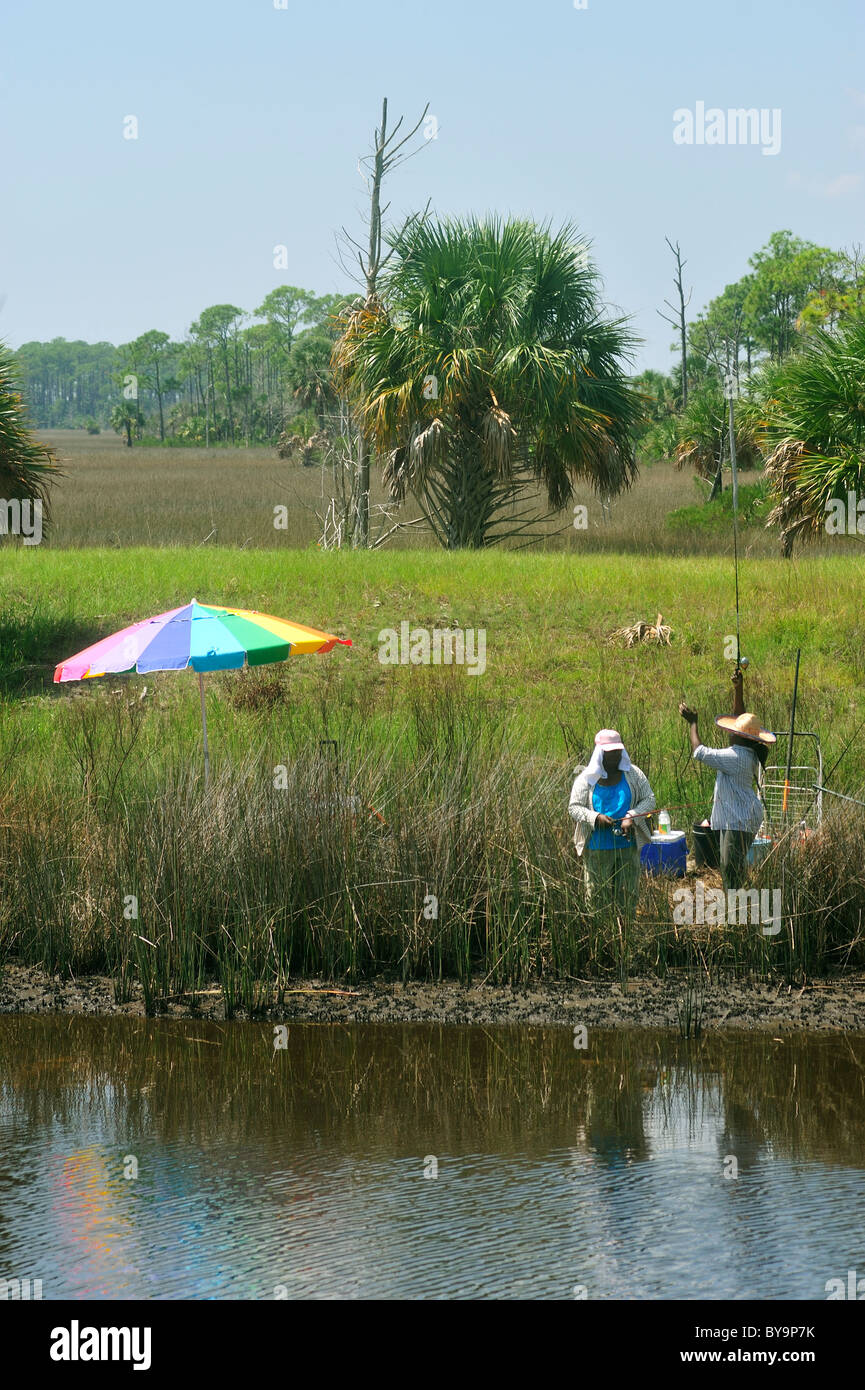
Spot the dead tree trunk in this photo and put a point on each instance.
(678, 322)
(385, 156)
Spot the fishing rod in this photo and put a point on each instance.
(617, 822)
(730, 389)
(828, 775)
(841, 797)
(844, 751)
(792, 732)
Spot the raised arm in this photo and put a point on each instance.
(738, 695)
(690, 717)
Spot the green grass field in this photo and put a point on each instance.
(552, 677)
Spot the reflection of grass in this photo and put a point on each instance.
(491, 1089)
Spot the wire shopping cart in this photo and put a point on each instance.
(804, 794)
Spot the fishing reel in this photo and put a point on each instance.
(619, 832)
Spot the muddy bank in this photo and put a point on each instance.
(836, 1005)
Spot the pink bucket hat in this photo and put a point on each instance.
(608, 738)
(605, 740)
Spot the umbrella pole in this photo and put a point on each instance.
(204, 729)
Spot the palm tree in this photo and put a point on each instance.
(483, 367)
(27, 468)
(702, 431)
(125, 418)
(815, 429)
(308, 373)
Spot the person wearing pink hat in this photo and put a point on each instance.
(737, 811)
(610, 802)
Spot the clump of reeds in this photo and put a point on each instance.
(690, 1008)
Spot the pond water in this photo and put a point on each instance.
(175, 1159)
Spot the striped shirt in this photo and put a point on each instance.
(736, 805)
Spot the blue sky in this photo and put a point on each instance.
(251, 120)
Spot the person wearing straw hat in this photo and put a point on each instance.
(610, 803)
(737, 811)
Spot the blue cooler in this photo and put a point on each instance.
(666, 854)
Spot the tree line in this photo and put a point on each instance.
(229, 382)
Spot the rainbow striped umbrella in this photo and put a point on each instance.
(201, 636)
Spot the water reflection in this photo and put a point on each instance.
(300, 1173)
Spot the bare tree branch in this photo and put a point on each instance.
(373, 168)
(679, 321)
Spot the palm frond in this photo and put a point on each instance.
(27, 467)
(814, 429)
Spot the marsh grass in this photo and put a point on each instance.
(447, 855)
(691, 1007)
(154, 496)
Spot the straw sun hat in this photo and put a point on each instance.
(746, 726)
